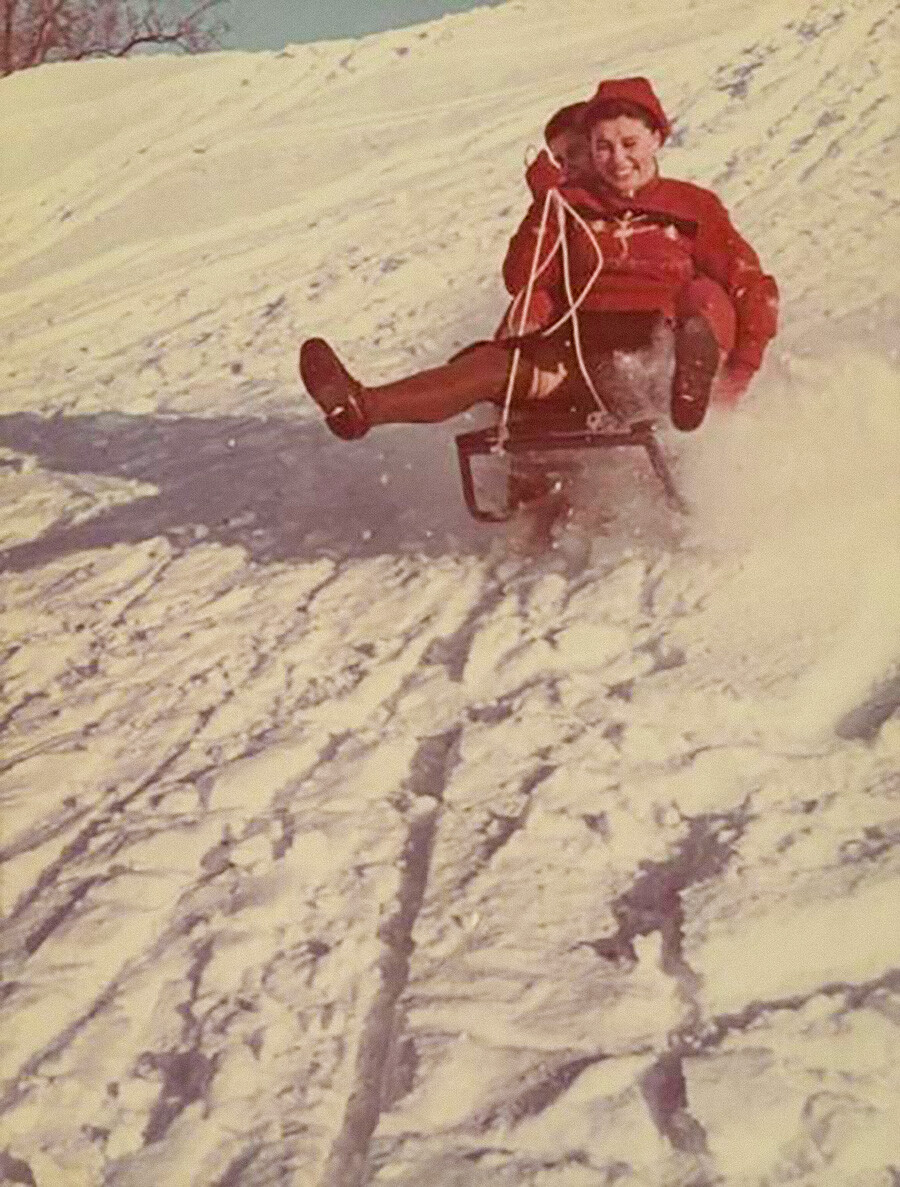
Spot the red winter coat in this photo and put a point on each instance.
(654, 245)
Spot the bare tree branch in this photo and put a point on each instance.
(45, 34)
(8, 18)
(37, 31)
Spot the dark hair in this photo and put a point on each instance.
(610, 109)
(567, 119)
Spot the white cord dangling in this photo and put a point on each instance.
(503, 427)
(574, 304)
(602, 405)
(563, 208)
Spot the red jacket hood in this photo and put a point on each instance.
(631, 90)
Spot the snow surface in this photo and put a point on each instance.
(338, 848)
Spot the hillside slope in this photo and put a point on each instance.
(333, 851)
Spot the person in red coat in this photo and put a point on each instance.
(617, 260)
(569, 149)
(568, 162)
(668, 246)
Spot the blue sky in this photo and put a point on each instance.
(272, 24)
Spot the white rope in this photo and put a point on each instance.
(575, 304)
(602, 405)
(563, 208)
(503, 428)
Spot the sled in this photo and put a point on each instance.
(537, 433)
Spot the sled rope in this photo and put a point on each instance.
(571, 313)
(503, 428)
(563, 206)
(518, 298)
(574, 303)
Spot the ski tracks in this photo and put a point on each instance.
(445, 864)
(306, 759)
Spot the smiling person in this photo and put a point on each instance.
(670, 253)
(643, 264)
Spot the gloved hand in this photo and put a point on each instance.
(543, 175)
(732, 382)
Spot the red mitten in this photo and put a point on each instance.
(543, 175)
(732, 383)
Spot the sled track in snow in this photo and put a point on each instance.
(348, 1161)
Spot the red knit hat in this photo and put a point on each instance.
(636, 91)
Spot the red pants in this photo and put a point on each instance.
(705, 297)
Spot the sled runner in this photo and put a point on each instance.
(534, 432)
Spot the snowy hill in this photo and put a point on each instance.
(332, 853)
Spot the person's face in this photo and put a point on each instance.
(623, 152)
(573, 152)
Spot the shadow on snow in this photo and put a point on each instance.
(281, 489)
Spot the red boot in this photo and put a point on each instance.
(479, 373)
(334, 389)
(696, 362)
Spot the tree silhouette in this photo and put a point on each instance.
(37, 31)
